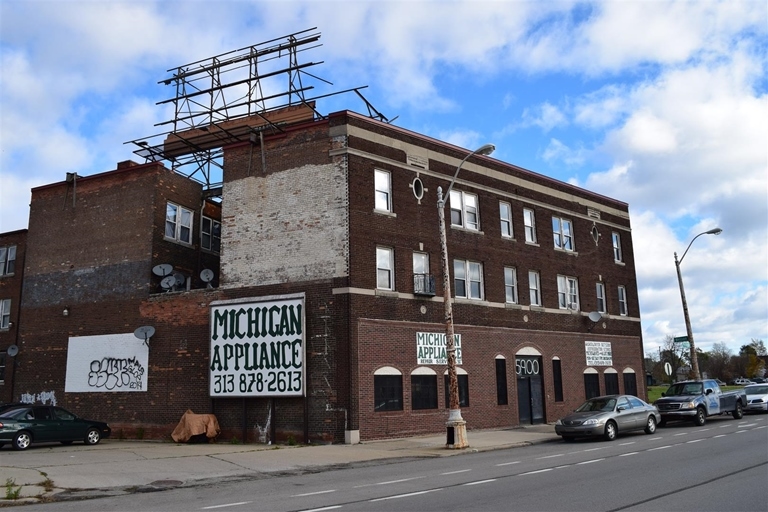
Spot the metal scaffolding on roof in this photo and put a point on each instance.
(234, 97)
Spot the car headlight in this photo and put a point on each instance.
(688, 405)
(591, 421)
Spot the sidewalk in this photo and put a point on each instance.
(121, 467)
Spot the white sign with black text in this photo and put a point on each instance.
(598, 353)
(430, 348)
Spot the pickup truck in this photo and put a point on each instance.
(697, 399)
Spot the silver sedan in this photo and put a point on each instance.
(607, 416)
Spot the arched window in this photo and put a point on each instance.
(591, 383)
(463, 381)
(387, 389)
(423, 388)
(611, 377)
(630, 381)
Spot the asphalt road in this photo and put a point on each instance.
(722, 466)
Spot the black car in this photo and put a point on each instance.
(22, 425)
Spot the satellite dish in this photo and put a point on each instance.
(12, 350)
(180, 278)
(162, 270)
(207, 276)
(168, 282)
(144, 333)
(594, 316)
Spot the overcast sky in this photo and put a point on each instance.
(658, 104)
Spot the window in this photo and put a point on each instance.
(534, 285)
(510, 284)
(568, 292)
(384, 268)
(600, 289)
(468, 279)
(616, 247)
(501, 381)
(505, 214)
(383, 184)
(388, 389)
(423, 281)
(178, 223)
(7, 260)
(611, 383)
(557, 375)
(420, 263)
(591, 384)
(463, 382)
(530, 225)
(464, 210)
(563, 234)
(2, 366)
(423, 389)
(622, 301)
(630, 383)
(210, 234)
(5, 313)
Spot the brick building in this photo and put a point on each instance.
(324, 319)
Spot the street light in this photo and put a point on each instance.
(456, 426)
(694, 357)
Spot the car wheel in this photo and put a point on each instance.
(650, 425)
(701, 417)
(93, 436)
(22, 440)
(610, 431)
(738, 412)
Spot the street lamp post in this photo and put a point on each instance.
(694, 357)
(456, 426)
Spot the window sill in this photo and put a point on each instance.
(385, 213)
(387, 293)
(621, 263)
(565, 251)
(512, 305)
(175, 241)
(464, 300)
(467, 230)
(534, 244)
(537, 307)
(510, 238)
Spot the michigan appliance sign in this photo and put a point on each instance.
(430, 348)
(258, 347)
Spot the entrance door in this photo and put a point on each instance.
(530, 389)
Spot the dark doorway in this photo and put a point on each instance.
(530, 390)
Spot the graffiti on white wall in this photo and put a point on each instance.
(107, 363)
(44, 397)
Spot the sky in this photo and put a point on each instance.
(660, 104)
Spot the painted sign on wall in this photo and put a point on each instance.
(598, 353)
(430, 348)
(258, 347)
(108, 363)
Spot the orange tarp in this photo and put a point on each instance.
(192, 424)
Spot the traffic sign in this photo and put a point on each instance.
(681, 339)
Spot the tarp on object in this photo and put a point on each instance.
(192, 424)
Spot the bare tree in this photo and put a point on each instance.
(719, 362)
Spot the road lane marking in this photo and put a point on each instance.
(660, 448)
(389, 482)
(508, 463)
(227, 505)
(593, 449)
(550, 456)
(535, 472)
(627, 444)
(312, 493)
(454, 472)
(589, 461)
(681, 434)
(629, 453)
(719, 435)
(405, 495)
(695, 441)
(322, 508)
(481, 482)
(656, 438)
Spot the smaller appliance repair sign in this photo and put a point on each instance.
(258, 347)
(430, 348)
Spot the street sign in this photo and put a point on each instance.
(668, 368)
(681, 339)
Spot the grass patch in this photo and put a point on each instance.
(12, 491)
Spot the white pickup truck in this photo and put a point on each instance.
(697, 399)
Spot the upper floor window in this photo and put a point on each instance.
(468, 279)
(464, 210)
(534, 285)
(510, 284)
(383, 184)
(563, 233)
(385, 264)
(5, 313)
(178, 223)
(616, 247)
(505, 214)
(530, 225)
(420, 263)
(210, 234)
(600, 288)
(622, 301)
(568, 292)
(7, 260)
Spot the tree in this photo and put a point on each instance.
(719, 362)
(675, 354)
(759, 347)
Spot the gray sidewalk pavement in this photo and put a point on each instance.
(45, 472)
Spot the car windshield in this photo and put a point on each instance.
(756, 390)
(598, 404)
(15, 413)
(685, 388)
